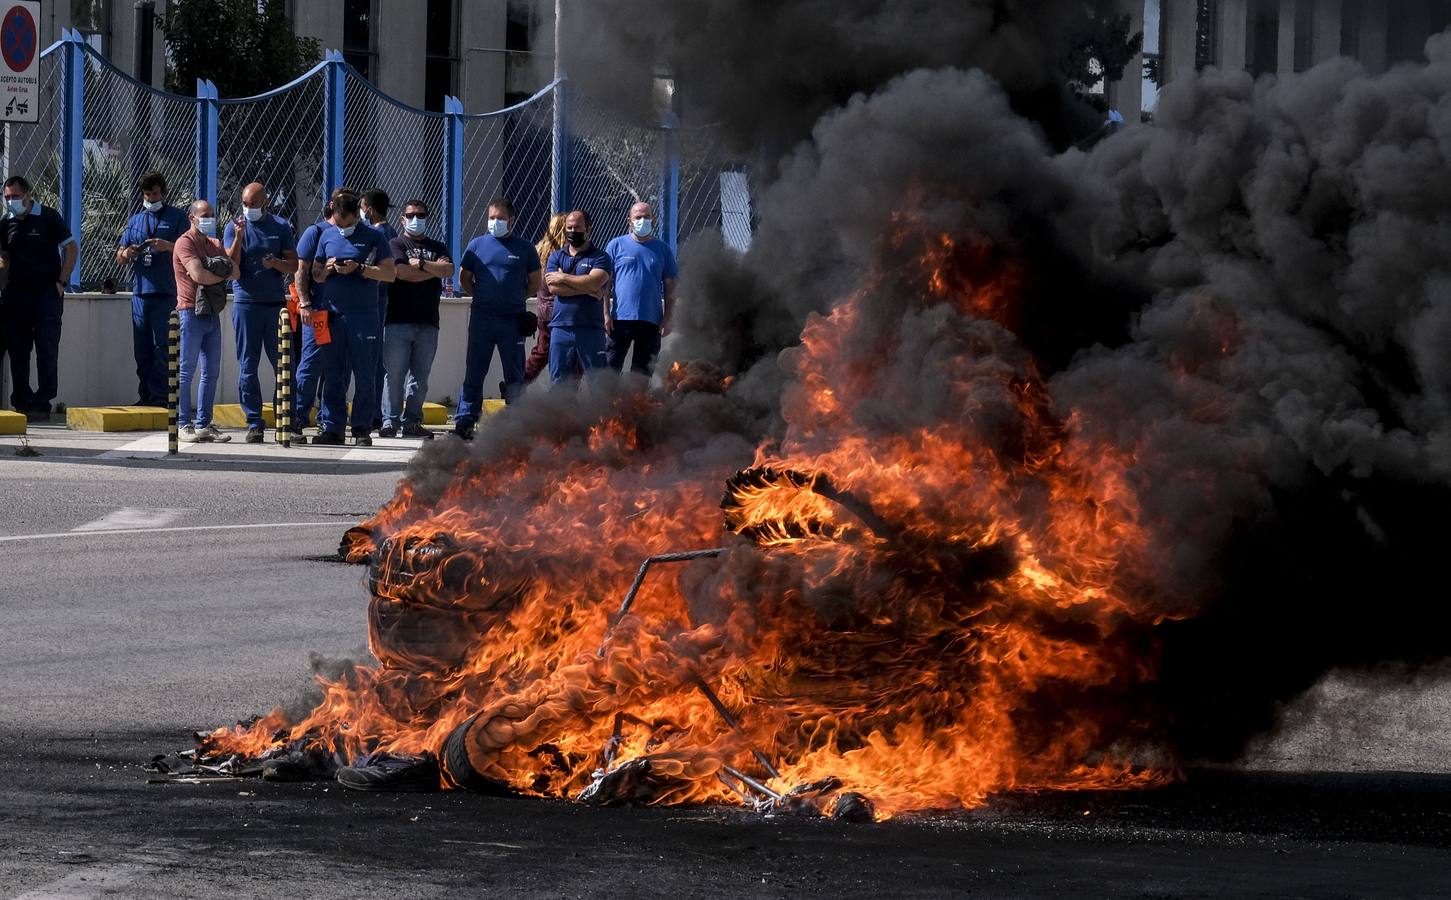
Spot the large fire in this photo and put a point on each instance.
(925, 614)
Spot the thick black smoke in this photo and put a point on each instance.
(1251, 296)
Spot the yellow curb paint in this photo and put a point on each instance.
(11, 422)
(105, 418)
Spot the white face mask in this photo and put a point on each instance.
(414, 224)
(499, 227)
(153, 205)
(207, 226)
(346, 232)
(252, 214)
(642, 227)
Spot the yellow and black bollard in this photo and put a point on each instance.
(173, 380)
(284, 378)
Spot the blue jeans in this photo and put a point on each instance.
(201, 337)
(353, 351)
(487, 332)
(32, 319)
(408, 352)
(256, 330)
(150, 321)
(568, 345)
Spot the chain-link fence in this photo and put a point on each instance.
(331, 128)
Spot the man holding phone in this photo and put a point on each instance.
(261, 244)
(146, 245)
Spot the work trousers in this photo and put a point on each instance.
(644, 336)
(255, 327)
(353, 352)
(571, 347)
(488, 332)
(32, 322)
(150, 322)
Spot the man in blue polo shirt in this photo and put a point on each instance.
(261, 244)
(375, 215)
(146, 245)
(40, 253)
(578, 275)
(307, 370)
(350, 260)
(499, 269)
(644, 295)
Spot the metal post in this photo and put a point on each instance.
(453, 176)
(283, 412)
(670, 187)
(559, 149)
(206, 142)
(173, 381)
(335, 85)
(72, 145)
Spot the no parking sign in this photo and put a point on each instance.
(19, 61)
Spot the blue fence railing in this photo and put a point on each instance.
(330, 127)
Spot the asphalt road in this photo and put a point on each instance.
(151, 621)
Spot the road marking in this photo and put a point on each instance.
(385, 450)
(10, 538)
(134, 518)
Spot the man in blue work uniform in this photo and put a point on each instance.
(375, 214)
(307, 370)
(40, 254)
(261, 245)
(146, 244)
(578, 275)
(644, 294)
(350, 259)
(499, 270)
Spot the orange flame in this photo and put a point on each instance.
(929, 612)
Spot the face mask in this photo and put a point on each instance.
(152, 205)
(499, 227)
(642, 227)
(252, 215)
(414, 224)
(207, 226)
(346, 232)
(15, 205)
(575, 238)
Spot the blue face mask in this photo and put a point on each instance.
(499, 227)
(15, 205)
(346, 232)
(414, 224)
(642, 227)
(207, 226)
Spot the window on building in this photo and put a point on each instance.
(1304, 34)
(92, 18)
(1206, 37)
(440, 76)
(359, 47)
(516, 25)
(1262, 40)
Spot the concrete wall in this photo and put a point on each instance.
(98, 368)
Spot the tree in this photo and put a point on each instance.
(244, 46)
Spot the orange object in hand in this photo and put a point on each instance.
(320, 334)
(293, 309)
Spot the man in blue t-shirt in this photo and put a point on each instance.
(146, 244)
(261, 244)
(350, 260)
(644, 294)
(499, 270)
(578, 275)
(40, 254)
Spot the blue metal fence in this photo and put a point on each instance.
(330, 128)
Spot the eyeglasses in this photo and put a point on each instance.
(415, 215)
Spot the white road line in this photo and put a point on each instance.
(10, 538)
(134, 518)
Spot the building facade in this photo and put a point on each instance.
(1267, 37)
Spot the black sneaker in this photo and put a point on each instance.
(464, 431)
(417, 431)
(362, 439)
(328, 439)
(254, 435)
(387, 431)
(392, 772)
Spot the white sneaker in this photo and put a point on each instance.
(189, 435)
(213, 433)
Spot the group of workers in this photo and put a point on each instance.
(365, 295)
